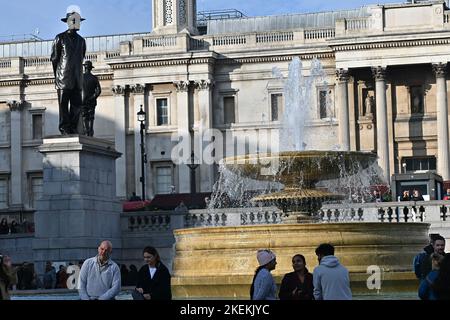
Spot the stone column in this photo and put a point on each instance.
(442, 120)
(342, 77)
(138, 91)
(379, 74)
(17, 189)
(205, 118)
(184, 132)
(120, 141)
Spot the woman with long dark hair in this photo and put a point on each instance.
(263, 285)
(297, 285)
(154, 279)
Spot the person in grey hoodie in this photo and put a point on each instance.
(100, 276)
(331, 279)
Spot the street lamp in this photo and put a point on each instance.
(142, 117)
(193, 166)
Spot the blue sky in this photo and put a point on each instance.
(128, 16)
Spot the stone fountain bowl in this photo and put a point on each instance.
(299, 168)
(219, 263)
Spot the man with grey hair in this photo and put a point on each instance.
(100, 276)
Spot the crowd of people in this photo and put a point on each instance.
(406, 195)
(101, 278)
(329, 281)
(15, 227)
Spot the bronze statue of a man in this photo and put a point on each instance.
(68, 52)
(91, 91)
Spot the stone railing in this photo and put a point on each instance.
(93, 57)
(147, 221)
(37, 61)
(231, 40)
(232, 217)
(447, 17)
(111, 55)
(170, 220)
(357, 24)
(18, 65)
(433, 212)
(198, 44)
(274, 37)
(5, 63)
(163, 41)
(227, 42)
(316, 34)
(160, 44)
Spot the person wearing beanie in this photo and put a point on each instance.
(263, 286)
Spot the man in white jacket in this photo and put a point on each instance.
(100, 276)
(331, 279)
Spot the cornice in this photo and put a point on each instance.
(281, 58)
(45, 81)
(11, 83)
(209, 60)
(390, 44)
(159, 63)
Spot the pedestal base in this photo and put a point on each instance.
(78, 208)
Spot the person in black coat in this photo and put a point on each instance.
(153, 278)
(297, 285)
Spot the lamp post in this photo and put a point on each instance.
(193, 166)
(142, 117)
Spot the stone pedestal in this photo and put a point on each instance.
(79, 207)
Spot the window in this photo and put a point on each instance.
(326, 109)
(37, 126)
(162, 112)
(276, 103)
(36, 190)
(229, 108)
(3, 193)
(416, 99)
(163, 180)
(419, 164)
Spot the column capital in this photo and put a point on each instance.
(379, 73)
(182, 86)
(15, 105)
(138, 88)
(204, 84)
(440, 69)
(342, 75)
(118, 90)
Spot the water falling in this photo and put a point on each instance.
(299, 104)
(234, 189)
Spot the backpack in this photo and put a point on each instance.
(422, 265)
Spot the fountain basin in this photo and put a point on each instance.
(219, 263)
(299, 168)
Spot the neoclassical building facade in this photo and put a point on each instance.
(386, 91)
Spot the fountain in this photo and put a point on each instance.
(219, 262)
